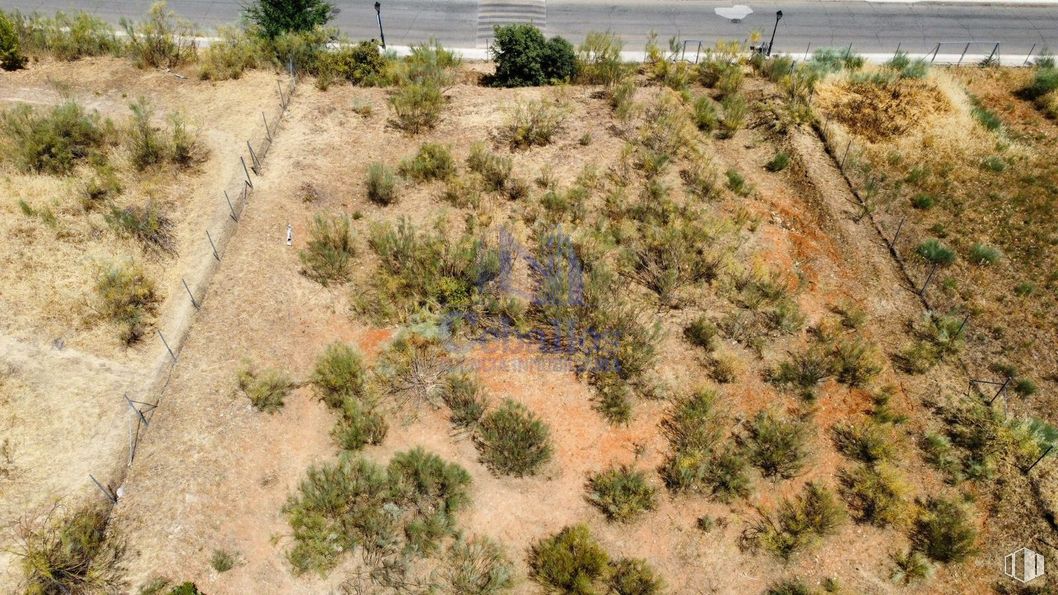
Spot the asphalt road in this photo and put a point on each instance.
(869, 27)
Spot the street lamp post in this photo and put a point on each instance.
(378, 13)
(778, 15)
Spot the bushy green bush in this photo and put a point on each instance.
(357, 63)
(733, 109)
(777, 446)
(223, 560)
(571, 561)
(266, 388)
(935, 252)
(339, 375)
(11, 57)
(705, 114)
(910, 567)
(432, 162)
(381, 184)
(621, 493)
(71, 552)
(54, 140)
(67, 37)
(513, 441)
(798, 522)
(271, 18)
(417, 106)
(329, 251)
(867, 441)
(944, 531)
(876, 494)
(701, 332)
(162, 40)
(525, 59)
(348, 503)
(360, 424)
(778, 162)
(126, 296)
(693, 428)
(634, 576)
(533, 123)
(478, 566)
(983, 254)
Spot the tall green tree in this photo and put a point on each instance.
(275, 17)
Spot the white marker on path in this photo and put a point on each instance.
(290, 235)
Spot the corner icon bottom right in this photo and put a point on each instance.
(1023, 565)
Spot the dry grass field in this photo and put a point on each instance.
(644, 337)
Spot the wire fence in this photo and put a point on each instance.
(232, 201)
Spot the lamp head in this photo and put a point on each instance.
(378, 7)
(778, 14)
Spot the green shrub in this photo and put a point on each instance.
(127, 297)
(833, 60)
(67, 37)
(465, 399)
(855, 361)
(736, 183)
(705, 117)
(570, 561)
(533, 123)
(701, 332)
(944, 531)
(910, 567)
(876, 494)
(778, 162)
(357, 63)
(922, 202)
(162, 40)
(622, 98)
(984, 116)
(417, 106)
(437, 272)
(53, 141)
(100, 188)
(478, 566)
(494, 169)
(994, 164)
(147, 225)
(327, 255)
(777, 446)
(984, 254)
(232, 53)
(513, 441)
(274, 17)
(461, 192)
(348, 503)
(360, 424)
(621, 493)
(339, 375)
(381, 185)
(222, 561)
(266, 389)
(693, 428)
(798, 523)
(934, 252)
(11, 57)
(71, 553)
(432, 162)
(599, 59)
(724, 474)
(146, 142)
(525, 59)
(1044, 81)
(733, 115)
(634, 576)
(869, 442)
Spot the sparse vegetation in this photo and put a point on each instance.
(533, 123)
(70, 552)
(54, 140)
(465, 398)
(777, 446)
(266, 388)
(432, 162)
(126, 297)
(634, 576)
(944, 532)
(797, 523)
(478, 566)
(571, 561)
(381, 185)
(876, 494)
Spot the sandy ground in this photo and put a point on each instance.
(214, 474)
(63, 372)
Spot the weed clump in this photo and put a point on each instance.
(621, 493)
(694, 430)
(162, 40)
(533, 123)
(146, 224)
(381, 185)
(11, 56)
(327, 255)
(599, 59)
(127, 297)
(465, 398)
(266, 389)
(339, 375)
(944, 532)
(494, 169)
(478, 566)
(351, 503)
(634, 576)
(777, 446)
(71, 553)
(797, 523)
(432, 162)
(778, 162)
(417, 105)
(513, 441)
(229, 56)
(56, 140)
(876, 494)
(570, 561)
